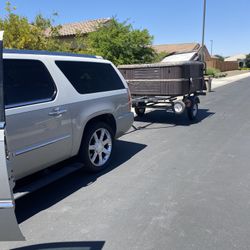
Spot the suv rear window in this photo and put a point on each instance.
(27, 82)
(90, 77)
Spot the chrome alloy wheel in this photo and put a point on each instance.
(100, 147)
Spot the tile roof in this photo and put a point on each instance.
(83, 27)
(173, 48)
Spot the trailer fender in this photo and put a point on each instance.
(196, 99)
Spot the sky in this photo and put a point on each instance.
(169, 21)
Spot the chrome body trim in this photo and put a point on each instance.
(28, 103)
(6, 204)
(31, 148)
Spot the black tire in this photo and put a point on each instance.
(140, 111)
(192, 111)
(87, 154)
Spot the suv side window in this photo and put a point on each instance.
(27, 82)
(90, 77)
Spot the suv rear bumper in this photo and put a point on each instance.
(124, 123)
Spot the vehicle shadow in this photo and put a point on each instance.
(85, 245)
(31, 204)
(171, 119)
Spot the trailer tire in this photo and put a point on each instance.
(140, 111)
(192, 111)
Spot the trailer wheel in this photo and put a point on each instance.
(192, 111)
(140, 111)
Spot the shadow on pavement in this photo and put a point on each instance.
(86, 245)
(172, 120)
(31, 204)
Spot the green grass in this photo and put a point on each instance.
(221, 74)
(216, 73)
(244, 68)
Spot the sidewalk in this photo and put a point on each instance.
(226, 80)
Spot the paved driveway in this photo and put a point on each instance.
(172, 185)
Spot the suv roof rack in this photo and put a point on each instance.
(48, 53)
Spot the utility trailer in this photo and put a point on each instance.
(175, 86)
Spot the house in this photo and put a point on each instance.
(189, 49)
(240, 59)
(69, 31)
(181, 48)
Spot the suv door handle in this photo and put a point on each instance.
(57, 112)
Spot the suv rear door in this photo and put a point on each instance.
(39, 130)
(9, 229)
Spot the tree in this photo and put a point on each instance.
(248, 61)
(121, 44)
(221, 58)
(115, 41)
(20, 34)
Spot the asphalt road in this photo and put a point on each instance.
(172, 185)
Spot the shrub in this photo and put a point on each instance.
(221, 58)
(212, 71)
(219, 75)
(248, 61)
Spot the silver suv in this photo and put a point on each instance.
(62, 105)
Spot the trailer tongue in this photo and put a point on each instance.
(9, 229)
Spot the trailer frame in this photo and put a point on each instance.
(176, 104)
